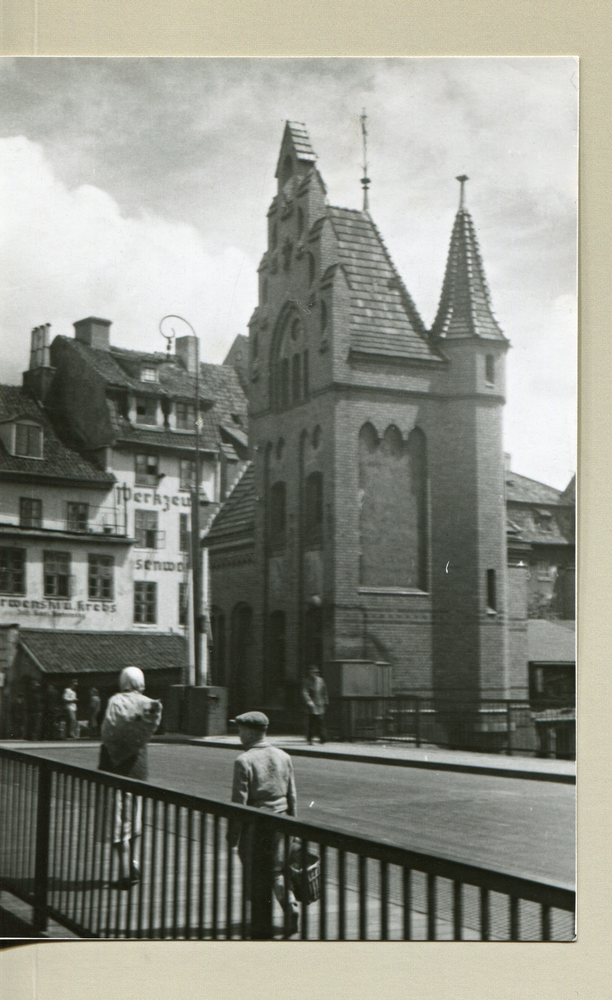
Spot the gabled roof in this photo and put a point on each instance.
(520, 489)
(236, 519)
(297, 134)
(58, 461)
(384, 320)
(74, 653)
(465, 304)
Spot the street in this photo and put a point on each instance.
(518, 826)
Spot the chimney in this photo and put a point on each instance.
(186, 348)
(39, 376)
(94, 332)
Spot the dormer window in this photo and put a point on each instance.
(146, 410)
(28, 440)
(185, 416)
(149, 375)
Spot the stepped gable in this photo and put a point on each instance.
(465, 304)
(384, 320)
(58, 461)
(237, 515)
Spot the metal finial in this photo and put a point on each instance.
(462, 179)
(365, 180)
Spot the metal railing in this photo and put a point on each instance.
(503, 726)
(58, 823)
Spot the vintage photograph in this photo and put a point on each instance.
(287, 517)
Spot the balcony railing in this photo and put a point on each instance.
(56, 856)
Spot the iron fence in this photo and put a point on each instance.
(487, 725)
(58, 822)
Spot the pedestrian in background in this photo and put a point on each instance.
(314, 693)
(69, 698)
(94, 711)
(263, 778)
(130, 721)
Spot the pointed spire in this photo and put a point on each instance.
(365, 180)
(465, 304)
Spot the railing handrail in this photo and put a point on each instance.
(551, 893)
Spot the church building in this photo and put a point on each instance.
(370, 527)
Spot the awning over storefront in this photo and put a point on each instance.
(77, 653)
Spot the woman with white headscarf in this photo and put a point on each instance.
(130, 721)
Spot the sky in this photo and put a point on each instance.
(134, 188)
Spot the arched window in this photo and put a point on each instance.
(288, 377)
(275, 661)
(311, 268)
(277, 515)
(313, 510)
(392, 501)
(217, 652)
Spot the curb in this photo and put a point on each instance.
(460, 767)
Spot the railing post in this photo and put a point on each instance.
(262, 860)
(41, 864)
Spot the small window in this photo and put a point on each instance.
(30, 513)
(56, 574)
(146, 410)
(145, 525)
(149, 375)
(187, 474)
(183, 598)
(147, 470)
(185, 416)
(490, 369)
(100, 580)
(491, 590)
(78, 516)
(296, 378)
(277, 515)
(184, 533)
(145, 602)
(12, 571)
(28, 440)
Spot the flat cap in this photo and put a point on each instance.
(256, 719)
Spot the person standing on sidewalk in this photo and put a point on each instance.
(263, 778)
(70, 707)
(314, 693)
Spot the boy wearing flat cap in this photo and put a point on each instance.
(263, 778)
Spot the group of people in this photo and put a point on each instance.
(44, 714)
(263, 776)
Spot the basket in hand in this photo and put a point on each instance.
(307, 889)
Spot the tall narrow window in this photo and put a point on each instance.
(183, 597)
(284, 393)
(185, 416)
(277, 516)
(296, 378)
(306, 376)
(145, 602)
(100, 580)
(145, 529)
(78, 516)
(491, 590)
(275, 674)
(184, 533)
(147, 470)
(311, 268)
(56, 574)
(323, 316)
(313, 510)
(490, 369)
(29, 440)
(30, 513)
(187, 474)
(300, 221)
(12, 571)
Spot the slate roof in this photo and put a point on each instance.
(538, 513)
(384, 320)
(465, 303)
(74, 653)
(551, 642)
(301, 141)
(58, 461)
(520, 489)
(236, 518)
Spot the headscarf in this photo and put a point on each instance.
(132, 679)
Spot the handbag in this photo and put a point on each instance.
(306, 885)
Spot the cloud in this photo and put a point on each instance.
(69, 253)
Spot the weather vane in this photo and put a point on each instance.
(365, 180)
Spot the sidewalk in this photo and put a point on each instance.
(401, 754)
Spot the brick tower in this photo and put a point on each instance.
(378, 474)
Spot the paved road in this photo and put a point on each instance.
(522, 827)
